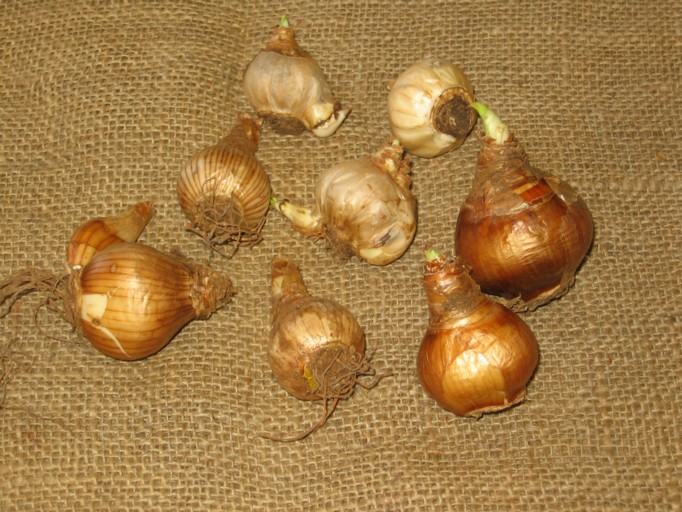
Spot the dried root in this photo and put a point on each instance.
(56, 290)
(219, 224)
(336, 381)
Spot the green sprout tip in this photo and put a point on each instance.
(284, 22)
(431, 255)
(493, 125)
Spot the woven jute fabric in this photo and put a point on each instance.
(101, 105)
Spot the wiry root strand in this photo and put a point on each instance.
(337, 382)
(218, 233)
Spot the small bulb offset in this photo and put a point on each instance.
(97, 234)
(522, 232)
(476, 356)
(288, 88)
(363, 207)
(428, 108)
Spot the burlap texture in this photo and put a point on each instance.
(102, 103)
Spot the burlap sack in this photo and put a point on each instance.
(102, 103)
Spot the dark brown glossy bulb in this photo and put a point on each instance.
(522, 233)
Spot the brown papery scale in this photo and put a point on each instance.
(288, 88)
(477, 356)
(225, 191)
(317, 348)
(523, 233)
(129, 300)
(363, 207)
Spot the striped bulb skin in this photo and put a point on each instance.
(131, 299)
(224, 190)
(97, 234)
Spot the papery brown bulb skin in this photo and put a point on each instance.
(287, 87)
(522, 233)
(312, 340)
(224, 190)
(97, 234)
(130, 299)
(476, 356)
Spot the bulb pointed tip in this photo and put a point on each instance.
(431, 255)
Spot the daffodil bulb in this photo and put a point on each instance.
(428, 108)
(287, 87)
(363, 207)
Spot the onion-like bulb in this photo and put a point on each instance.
(476, 356)
(363, 207)
(288, 88)
(130, 299)
(317, 347)
(224, 190)
(523, 233)
(428, 108)
(97, 234)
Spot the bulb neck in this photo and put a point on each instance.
(244, 136)
(210, 291)
(395, 161)
(452, 294)
(283, 41)
(287, 284)
(498, 163)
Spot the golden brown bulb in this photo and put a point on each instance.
(97, 234)
(476, 356)
(288, 88)
(315, 343)
(225, 191)
(522, 232)
(130, 299)
(317, 348)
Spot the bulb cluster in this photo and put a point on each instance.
(520, 237)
